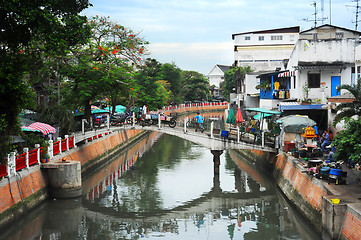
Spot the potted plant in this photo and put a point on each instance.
(44, 154)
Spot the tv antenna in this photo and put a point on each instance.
(315, 14)
(356, 15)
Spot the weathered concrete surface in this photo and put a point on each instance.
(64, 178)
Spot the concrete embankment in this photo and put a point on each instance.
(29, 187)
(314, 197)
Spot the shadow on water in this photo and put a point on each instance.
(164, 187)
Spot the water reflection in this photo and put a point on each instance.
(165, 187)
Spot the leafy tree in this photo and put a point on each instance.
(54, 24)
(350, 109)
(150, 89)
(194, 86)
(229, 81)
(348, 141)
(172, 74)
(104, 65)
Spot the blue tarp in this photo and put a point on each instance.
(300, 107)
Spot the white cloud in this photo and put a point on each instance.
(195, 56)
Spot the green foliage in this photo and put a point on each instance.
(29, 30)
(347, 110)
(194, 86)
(172, 74)
(229, 81)
(348, 141)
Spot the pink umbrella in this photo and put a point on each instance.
(42, 127)
(239, 117)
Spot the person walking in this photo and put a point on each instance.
(199, 120)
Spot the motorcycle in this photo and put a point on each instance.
(152, 119)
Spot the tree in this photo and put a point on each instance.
(348, 141)
(172, 74)
(229, 82)
(194, 86)
(350, 109)
(104, 65)
(54, 24)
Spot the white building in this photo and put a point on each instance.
(264, 50)
(322, 60)
(215, 77)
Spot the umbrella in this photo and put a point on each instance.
(259, 115)
(296, 123)
(231, 118)
(42, 127)
(239, 118)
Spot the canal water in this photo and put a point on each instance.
(164, 187)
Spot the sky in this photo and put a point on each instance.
(197, 34)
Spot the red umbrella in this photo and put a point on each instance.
(42, 127)
(239, 118)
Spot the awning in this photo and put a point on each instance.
(287, 74)
(262, 110)
(297, 106)
(321, 67)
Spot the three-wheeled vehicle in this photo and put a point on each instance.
(152, 119)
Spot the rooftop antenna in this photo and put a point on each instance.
(315, 15)
(357, 9)
(357, 12)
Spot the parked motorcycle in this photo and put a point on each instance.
(152, 119)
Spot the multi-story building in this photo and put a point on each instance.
(264, 51)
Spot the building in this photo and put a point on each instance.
(215, 77)
(322, 59)
(264, 50)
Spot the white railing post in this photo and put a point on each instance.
(238, 134)
(26, 150)
(11, 163)
(37, 146)
(83, 126)
(108, 122)
(212, 127)
(159, 121)
(51, 149)
(185, 124)
(59, 139)
(262, 139)
(67, 141)
(133, 118)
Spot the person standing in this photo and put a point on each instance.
(199, 120)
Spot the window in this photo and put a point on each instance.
(260, 38)
(339, 35)
(276, 37)
(247, 38)
(314, 80)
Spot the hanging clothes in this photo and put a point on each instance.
(277, 85)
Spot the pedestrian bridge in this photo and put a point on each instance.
(206, 139)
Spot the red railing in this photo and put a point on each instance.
(63, 145)
(20, 162)
(71, 142)
(56, 148)
(3, 170)
(33, 157)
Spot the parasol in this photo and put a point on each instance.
(239, 118)
(231, 118)
(41, 127)
(296, 123)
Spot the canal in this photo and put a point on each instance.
(164, 187)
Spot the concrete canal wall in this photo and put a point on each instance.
(312, 196)
(29, 187)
